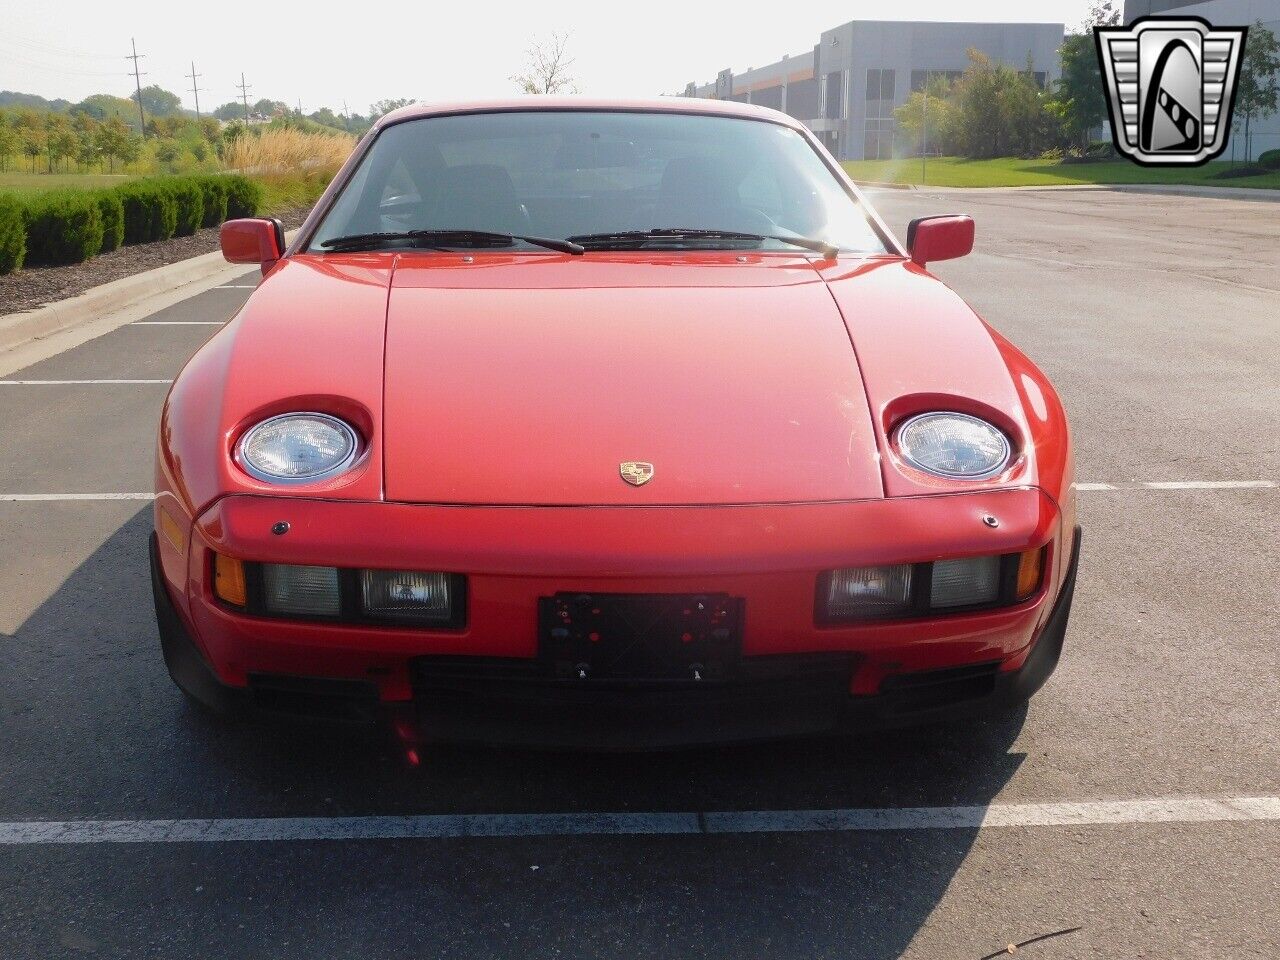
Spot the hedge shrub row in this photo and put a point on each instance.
(70, 226)
(1270, 159)
(13, 235)
(63, 226)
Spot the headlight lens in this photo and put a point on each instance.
(954, 445)
(298, 448)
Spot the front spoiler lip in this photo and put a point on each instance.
(853, 714)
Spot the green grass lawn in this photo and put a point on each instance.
(1015, 172)
(17, 181)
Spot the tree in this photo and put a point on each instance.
(112, 141)
(87, 152)
(270, 108)
(60, 143)
(1257, 92)
(32, 141)
(8, 141)
(231, 110)
(1079, 96)
(999, 111)
(547, 67)
(1102, 13)
(383, 107)
(934, 119)
(159, 102)
(167, 152)
(103, 106)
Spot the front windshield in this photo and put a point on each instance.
(580, 174)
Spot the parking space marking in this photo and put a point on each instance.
(237, 286)
(1211, 485)
(1177, 810)
(65, 383)
(177, 323)
(1179, 485)
(53, 497)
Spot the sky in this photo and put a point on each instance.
(325, 53)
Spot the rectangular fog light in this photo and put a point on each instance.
(965, 583)
(862, 593)
(406, 595)
(301, 591)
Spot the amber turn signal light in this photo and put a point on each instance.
(1030, 568)
(228, 580)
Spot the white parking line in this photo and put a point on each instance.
(48, 497)
(1179, 485)
(237, 286)
(64, 383)
(177, 323)
(1182, 810)
(1211, 485)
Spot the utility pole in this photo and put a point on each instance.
(299, 106)
(244, 95)
(195, 91)
(137, 79)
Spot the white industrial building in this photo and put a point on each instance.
(847, 87)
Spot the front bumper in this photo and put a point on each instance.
(477, 684)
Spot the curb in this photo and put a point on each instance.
(883, 185)
(35, 335)
(1257, 194)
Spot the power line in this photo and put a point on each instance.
(195, 90)
(137, 79)
(244, 89)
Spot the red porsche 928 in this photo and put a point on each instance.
(614, 424)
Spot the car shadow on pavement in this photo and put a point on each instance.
(92, 728)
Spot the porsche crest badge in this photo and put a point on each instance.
(636, 472)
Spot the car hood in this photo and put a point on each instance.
(531, 380)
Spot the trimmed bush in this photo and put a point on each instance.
(244, 197)
(1270, 160)
(63, 227)
(215, 200)
(150, 211)
(13, 235)
(112, 211)
(189, 199)
(1244, 170)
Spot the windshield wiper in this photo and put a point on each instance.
(639, 238)
(442, 239)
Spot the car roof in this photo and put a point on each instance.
(718, 108)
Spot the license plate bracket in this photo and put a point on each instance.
(640, 636)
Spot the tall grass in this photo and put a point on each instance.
(288, 151)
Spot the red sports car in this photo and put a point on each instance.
(609, 423)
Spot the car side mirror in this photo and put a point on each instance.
(256, 240)
(939, 238)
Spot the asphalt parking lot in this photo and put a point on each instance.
(1157, 318)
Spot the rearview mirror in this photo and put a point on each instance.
(256, 240)
(939, 238)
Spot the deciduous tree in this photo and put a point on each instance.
(547, 67)
(1258, 90)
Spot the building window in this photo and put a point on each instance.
(877, 138)
(833, 99)
(920, 77)
(881, 87)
